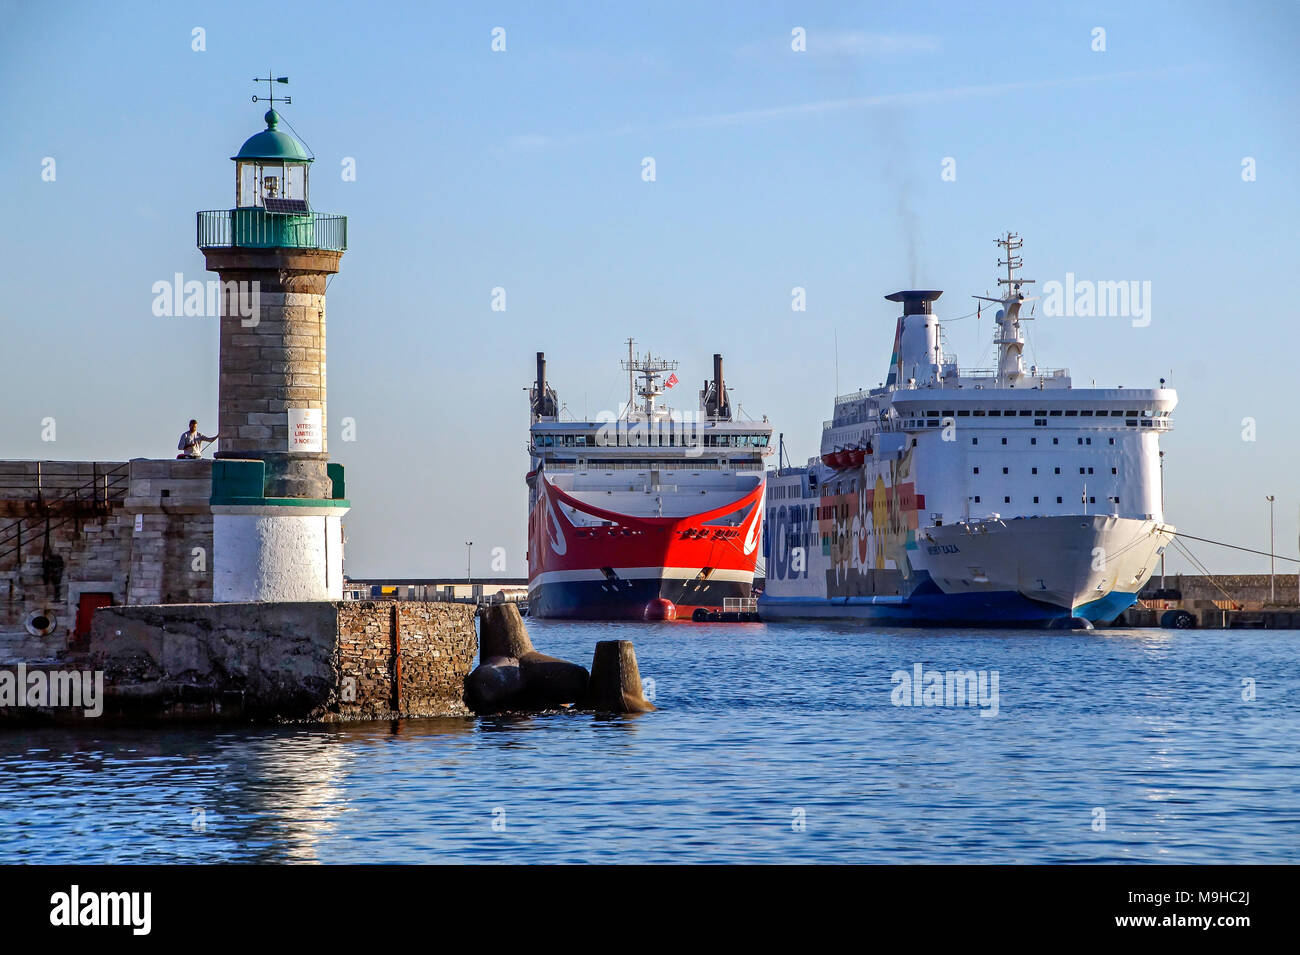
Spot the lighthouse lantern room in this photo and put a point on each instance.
(271, 171)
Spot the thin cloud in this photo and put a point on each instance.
(919, 98)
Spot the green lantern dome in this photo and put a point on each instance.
(272, 144)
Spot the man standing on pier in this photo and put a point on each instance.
(191, 443)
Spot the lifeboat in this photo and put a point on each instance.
(856, 456)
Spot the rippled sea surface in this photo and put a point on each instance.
(772, 743)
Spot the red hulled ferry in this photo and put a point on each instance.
(647, 513)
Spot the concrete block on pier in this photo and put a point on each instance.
(493, 684)
(512, 674)
(615, 685)
(502, 632)
(550, 681)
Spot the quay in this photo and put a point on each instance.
(1221, 602)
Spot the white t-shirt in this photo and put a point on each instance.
(190, 441)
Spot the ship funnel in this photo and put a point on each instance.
(917, 354)
(915, 302)
(714, 394)
(543, 398)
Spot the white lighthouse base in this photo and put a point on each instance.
(276, 552)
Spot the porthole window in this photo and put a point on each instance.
(41, 623)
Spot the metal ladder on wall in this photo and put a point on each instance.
(103, 490)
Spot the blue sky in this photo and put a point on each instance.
(774, 169)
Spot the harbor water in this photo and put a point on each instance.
(771, 743)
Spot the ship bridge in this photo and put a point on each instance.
(632, 443)
(1100, 408)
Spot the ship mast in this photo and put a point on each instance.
(1009, 337)
(631, 378)
(650, 369)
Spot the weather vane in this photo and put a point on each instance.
(270, 82)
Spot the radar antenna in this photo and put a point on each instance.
(650, 369)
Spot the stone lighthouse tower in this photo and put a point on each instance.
(277, 502)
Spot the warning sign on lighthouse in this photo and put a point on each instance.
(305, 432)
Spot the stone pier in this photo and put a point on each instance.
(317, 661)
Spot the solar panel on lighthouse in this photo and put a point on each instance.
(286, 206)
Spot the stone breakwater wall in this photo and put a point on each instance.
(316, 661)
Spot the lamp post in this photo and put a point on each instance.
(1272, 591)
(469, 551)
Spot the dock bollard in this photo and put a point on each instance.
(615, 685)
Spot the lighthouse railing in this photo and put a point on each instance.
(255, 228)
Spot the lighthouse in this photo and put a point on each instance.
(277, 501)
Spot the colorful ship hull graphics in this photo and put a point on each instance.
(863, 548)
(590, 561)
(986, 497)
(863, 521)
(1024, 571)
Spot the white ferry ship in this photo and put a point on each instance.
(1000, 497)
